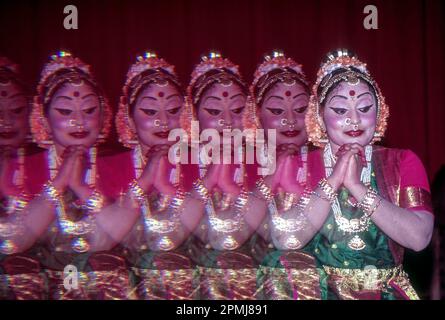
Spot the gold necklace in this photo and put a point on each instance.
(355, 225)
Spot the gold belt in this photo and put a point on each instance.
(222, 284)
(371, 279)
(156, 284)
(115, 285)
(289, 283)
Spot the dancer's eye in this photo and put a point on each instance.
(339, 110)
(90, 110)
(276, 111)
(365, 109)
(64, 112)
(213, 112)
(174, 110)
(301, 109)
(238, 110)
(18, 110)
(149, 112)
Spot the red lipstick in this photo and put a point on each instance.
(162, 134)
(291, 133)
(80, 135)
(354, 133)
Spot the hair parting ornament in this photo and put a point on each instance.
(147, 69)
(63, 68)
(341, 65)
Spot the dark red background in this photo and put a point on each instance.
(405, 55)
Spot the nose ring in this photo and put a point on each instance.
(221, 122)
(348, 121)
(72, 122)
(284, 122)
(157, 123)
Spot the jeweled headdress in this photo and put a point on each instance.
(147, 69)
(341, 65)
(63, 68)
(212, 69)
(276, 67)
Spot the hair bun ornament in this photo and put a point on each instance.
(62, 60)
(341, 52)
(340, 58)
(274, 54)
(213, 54)
(277, 60)
(148, 60)
(210, 61)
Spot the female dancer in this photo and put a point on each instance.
(368, 203)
(279, 97)
(216, 98)
(20, 276)
(70, 117)
(149, 110)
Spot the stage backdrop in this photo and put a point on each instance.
(405, 55)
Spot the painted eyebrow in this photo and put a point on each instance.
(149, 98)
(236, 95)
(63, 97)
(278, 97)
(173, 95)
(300, 94)
(364, 93)
(212, 97)
(88, 95)
(338, 96)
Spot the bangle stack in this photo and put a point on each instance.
(241, 202)
(94, 203)
(200, 188)
(327, 189)
(177, 201)
(265, 191)
(137, 193)
(370, 202)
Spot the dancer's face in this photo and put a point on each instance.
(74, 115)
(350, 114)
(157, 111)
(221, 107)
(14, 113)
(283, 109)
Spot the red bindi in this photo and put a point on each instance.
(225, 94)
(4, 93)
(352, 93)
(160, 94)
(287, 93)
(76, 93)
